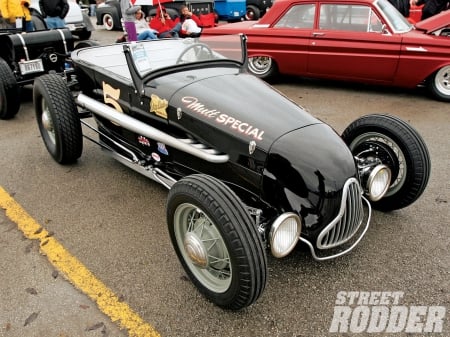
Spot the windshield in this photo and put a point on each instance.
(399, 23)
(153, 55)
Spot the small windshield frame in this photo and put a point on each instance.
(151, 57)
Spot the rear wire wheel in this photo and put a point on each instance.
(57, 118)
(216, 241)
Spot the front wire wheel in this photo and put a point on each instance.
(203, 250)
(216, 241)
(263, 67)
(399, 146)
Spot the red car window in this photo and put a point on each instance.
(299, 16)
(356, 18)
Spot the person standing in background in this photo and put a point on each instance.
(16, 13)
(402, 6)
(54, 12)
(92, 7)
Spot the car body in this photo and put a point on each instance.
(23, 57)
(77, 20)
(366, 41)
(248, 170)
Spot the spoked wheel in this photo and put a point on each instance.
(262, 66)
(216, 241)
(393, 142)
(9, 92)
(57, 118)
(439, 84)
(195, 52)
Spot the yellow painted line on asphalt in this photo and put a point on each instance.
(76, 272)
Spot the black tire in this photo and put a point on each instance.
(252, 13)
(57, 118)
(439, 84)
(83, 34)
(239, 276)
(108, 21)
(86, 44)
(397, 145)
(9, 92)
(263, 67)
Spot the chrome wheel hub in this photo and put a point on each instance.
(47, 122)
(442, 80)
(203, 248)
(196, 250)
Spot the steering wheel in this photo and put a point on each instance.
(195, 52)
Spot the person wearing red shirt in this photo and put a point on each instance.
(164, 24)
(185, 14)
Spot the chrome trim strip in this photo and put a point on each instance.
(64, 40)
(143, 129)
(25, 49)
(421, 49)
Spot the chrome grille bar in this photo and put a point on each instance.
(349, 219)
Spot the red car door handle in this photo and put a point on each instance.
(318, 34)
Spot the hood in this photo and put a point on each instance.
(305, 173)
(435, 22)
(237, 105)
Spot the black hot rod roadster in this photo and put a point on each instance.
(248, 170)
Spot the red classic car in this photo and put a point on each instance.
(365, 41)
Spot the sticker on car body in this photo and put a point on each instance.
(193, 104)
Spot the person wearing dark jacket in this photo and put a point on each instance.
(402, 6)
(431, 7)
(54, 12)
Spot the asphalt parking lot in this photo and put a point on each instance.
(110, 223)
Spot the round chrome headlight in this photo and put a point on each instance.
(284, 234)
(378, 182)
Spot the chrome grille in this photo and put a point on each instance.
(349, 219)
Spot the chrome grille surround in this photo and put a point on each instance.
(349, 219)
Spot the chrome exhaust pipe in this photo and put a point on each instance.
(146, 130)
